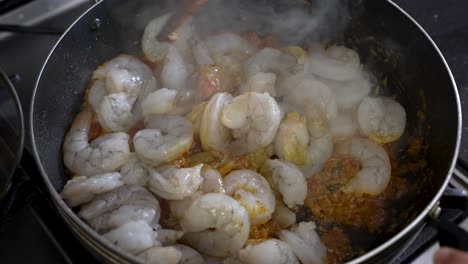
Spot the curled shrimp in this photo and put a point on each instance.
(104, 154)
(253, 192)
(261, 82)
(349, 94)
(305, 243)
(254, 118)
(172, 183)
(334, 63)
(282, 215)
(119, 206)
(270, 60)
(375, 172)
(133, 237)
(212, 181)
(320, 146)
(189, 255)
(213, 134)
(82, 189)
(216, 225)
(168, 137)
(134, 172)
(301, 90)
(382, 119)
(154, 50)
(161, 101)
(289, 181)
(166, 237)
(292, 139)
(271, 251)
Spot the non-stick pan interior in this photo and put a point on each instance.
(405, 62)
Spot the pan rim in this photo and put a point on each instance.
(66, 212)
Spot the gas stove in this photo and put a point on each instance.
(30, 228)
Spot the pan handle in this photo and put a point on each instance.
(449, 234)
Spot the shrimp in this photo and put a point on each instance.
(292, 139)
(289, 181)
(126, 74)
(336, 63)
(115, 112)
(349, 94)
(375, 172)
(166, 237)
(213, 182)
(82, 189)
(343, 125)
(168, 137)
(282, 215)
(172, 183)
(254, 118)
(134, 172)
(270, 251)
(189, 255)
(304, 89)
(154, 50)
(253, 192)
(213, 134)
(270, 60)
(104, 154)
(177, 208)
(320, 146)
(382, 119)
(133, 237)
(305, 243)
(119, 206)
(96, 93)
(260, 82)
(175, 70)
(166, 255)
(161, 101)
(216, 225)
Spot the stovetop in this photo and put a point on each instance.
(39, 235)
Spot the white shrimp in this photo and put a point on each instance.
(320, 146)
(175, 70)
(212, 181)
(217, 225)
(154, 50)
(172, 183)
(213, 134)
(304, 241)
(133, 237)
(254, 118)
(161, 101)
(115, 112)
(189, 255)
(166, 138)
(126, 79)
(82, 189)
(177, 208)
(270, 251)
(382, 119)
(260, 82)
(166, 237)
(349, 94)
(304, 89)
(166, 255)
(289, 181)
(119, 206)
(253, 192)
(270, 60)
(282, 215)
(334, 63)
(134, 172)
(104, 154)
(343, 125)
(292, 139)
(375, 172)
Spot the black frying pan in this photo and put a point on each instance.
(389, 42)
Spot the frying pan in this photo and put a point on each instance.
(391, 44)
